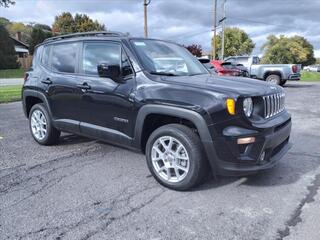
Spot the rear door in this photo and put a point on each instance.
(63, 92)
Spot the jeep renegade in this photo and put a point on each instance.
(155, 97)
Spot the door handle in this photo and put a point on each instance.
(46, 81)
(84, 86)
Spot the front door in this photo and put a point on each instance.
(106, 106)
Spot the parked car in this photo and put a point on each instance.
(273, 73)
(225, 69)
(243, 70)
(153, 96)
(312, 68)
(206, 63)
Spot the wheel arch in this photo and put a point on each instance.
(189, 116)
(32, 97)
(275, 72)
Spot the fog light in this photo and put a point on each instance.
(246, 140)
(262, 156)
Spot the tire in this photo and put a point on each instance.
(283, 82)
(41, 127)
(194, 169)
(273, 78)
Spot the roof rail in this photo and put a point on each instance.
(86, 34)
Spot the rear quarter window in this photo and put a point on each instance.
(64, 57)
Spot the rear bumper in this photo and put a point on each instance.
(294, 77)
(231, 159)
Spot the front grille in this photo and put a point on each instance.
(273, 104)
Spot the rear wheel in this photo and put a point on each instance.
(175, 157)
(273, 79)
(41, 126)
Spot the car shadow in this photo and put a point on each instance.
(71, 139)
(297, 85)
(284, 173)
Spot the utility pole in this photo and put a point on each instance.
(223, 27)
(213, 42)
(145, 6)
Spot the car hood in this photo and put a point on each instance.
(227, 85)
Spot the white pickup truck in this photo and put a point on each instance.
(273, 73)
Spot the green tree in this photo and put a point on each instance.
(283, 49)
(25, 30)
(84, 24)
(6, 3)
(4, 21)
(237, 42)
(8, 58)
(42, 26)
(38, 35)
(66, 23)
(317, 60)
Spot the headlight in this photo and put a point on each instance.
(247, 106)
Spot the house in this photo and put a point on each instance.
(21, 48)
(22, 51)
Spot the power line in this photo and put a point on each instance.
(261, 22)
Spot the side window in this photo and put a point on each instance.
(255, 60)
(45, 56)
(36, 56)
(95, 53)
(64, 57)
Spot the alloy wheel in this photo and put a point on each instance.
(170, 159)
(38, 125)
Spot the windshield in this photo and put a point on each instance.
(163, 58)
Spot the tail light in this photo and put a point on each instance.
(26, 75)
(294, 68)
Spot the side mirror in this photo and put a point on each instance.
(109, 71)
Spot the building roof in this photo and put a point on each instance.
(19, 43)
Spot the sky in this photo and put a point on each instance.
(184, 21)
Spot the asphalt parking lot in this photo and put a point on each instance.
(86, 189)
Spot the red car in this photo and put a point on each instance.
(223, 69)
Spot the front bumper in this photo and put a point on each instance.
(232, 159)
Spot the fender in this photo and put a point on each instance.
(37, 94)
(190, 115)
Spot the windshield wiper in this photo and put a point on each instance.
(163, 73)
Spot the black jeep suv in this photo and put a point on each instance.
(154, 96)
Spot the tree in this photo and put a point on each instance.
(42, 26)
(195, 49)
(237, 42)
(25, 30)
(84, 24)
(283, 49)
(4, 21)
(8, 58)
(317, 60)
(6, 3)
(66, 23)
(38, 35)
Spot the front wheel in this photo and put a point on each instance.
(175, 157)
(282, 83)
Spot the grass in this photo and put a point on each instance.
(10, 93)
(12, 73)
(310, 76)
